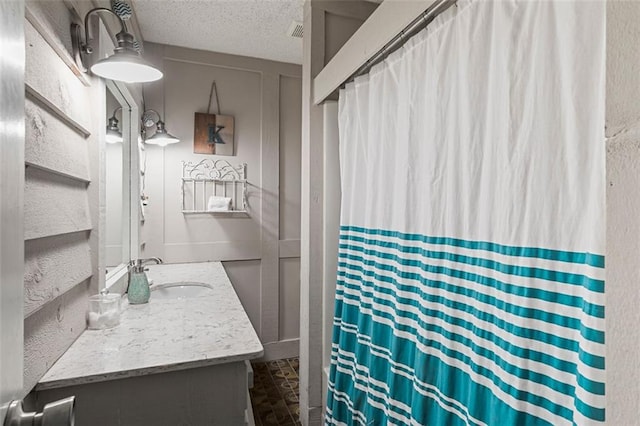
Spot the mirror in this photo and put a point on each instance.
(116, 211)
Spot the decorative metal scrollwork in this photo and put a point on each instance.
(214, 169)
(214, 179)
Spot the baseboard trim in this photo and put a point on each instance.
(281, 350)
(315, 416)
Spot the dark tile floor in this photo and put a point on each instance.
(274, 396)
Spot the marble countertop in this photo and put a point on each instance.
(163, 335)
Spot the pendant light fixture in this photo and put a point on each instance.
(113, 134)
(161, 137)
(125, 64)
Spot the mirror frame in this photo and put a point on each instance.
(131, 198)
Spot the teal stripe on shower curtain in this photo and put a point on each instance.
(562, 256)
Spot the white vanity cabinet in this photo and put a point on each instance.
(171, 362)
(214, 395)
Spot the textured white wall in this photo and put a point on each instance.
(261, 251)
(623, 212)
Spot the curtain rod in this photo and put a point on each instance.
(409, 31)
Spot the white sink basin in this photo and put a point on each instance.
(180, 290)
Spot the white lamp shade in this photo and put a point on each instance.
(162, 139)
(112, 137)
(126, 67)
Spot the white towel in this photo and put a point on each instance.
(219, 204)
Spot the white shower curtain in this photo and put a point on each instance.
(471, 261)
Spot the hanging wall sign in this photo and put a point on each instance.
(213, 133)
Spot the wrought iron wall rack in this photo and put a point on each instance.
(216, 178)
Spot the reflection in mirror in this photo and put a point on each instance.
(117, 223)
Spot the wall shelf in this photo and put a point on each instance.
(214, 178)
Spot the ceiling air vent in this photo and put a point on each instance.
(295, 29)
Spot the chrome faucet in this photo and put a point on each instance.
(137, 265)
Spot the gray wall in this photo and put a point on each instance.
(327, 26)
(261, 251)
(63, 117)
(623, 212)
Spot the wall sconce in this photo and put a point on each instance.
(161, 137)
(125, 64)
(113, 135)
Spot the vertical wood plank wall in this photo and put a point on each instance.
(61, 209)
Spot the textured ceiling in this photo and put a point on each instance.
(256, 28)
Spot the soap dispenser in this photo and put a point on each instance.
(138, 291)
